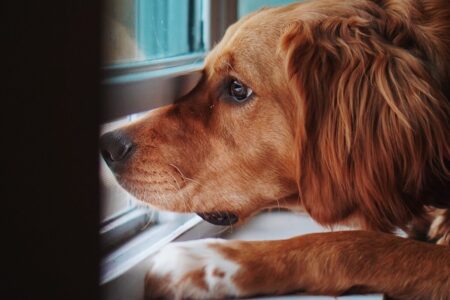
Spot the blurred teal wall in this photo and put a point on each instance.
(247, 6)
(172, 27)
(168, 28)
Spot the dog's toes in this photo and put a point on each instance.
(191, 270)
(157, 287)
(444, 240)
(440, 228)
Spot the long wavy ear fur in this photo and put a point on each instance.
(373, 120)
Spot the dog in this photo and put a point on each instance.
(338, 108)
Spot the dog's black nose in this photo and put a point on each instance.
(116, 147)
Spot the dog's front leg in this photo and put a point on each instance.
(323, 263)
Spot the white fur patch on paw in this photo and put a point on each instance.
(191, 270)
(440, 228)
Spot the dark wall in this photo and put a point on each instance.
(49, 112)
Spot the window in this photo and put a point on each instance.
(153, 51)
(144, 30)
(144, 34)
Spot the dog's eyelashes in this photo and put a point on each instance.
(239, 91)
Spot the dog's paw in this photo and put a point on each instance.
(191, 270)
(440, 227)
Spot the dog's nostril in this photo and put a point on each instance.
(116, 146)
(121, 152)
(107, 156)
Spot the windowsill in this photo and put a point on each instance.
(138, 92)
(115, 71)
(128, 282)
(150, 240)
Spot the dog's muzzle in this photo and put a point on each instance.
(219, 218)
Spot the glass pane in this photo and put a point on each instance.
(247, 6)
(142, 30)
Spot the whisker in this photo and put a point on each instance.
(187, 203)
(178, 186)
(221, 231)
(194, 181)
(231, 225)
(185, 178)
(178, 170)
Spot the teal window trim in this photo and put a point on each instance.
(114, 73)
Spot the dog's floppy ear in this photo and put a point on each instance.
(372, 124)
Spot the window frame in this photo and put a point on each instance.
(126, 87)
(137, 87)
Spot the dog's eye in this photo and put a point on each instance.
(239, 91)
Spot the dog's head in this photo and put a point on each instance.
(320, 105)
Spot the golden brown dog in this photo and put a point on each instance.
(340, 108)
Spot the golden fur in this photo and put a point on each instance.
(349, 120)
